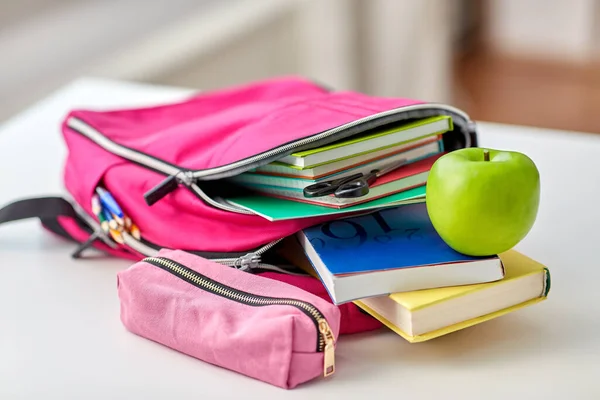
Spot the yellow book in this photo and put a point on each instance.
(426, 314)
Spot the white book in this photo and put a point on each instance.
(389, 251)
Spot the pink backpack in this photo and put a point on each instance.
(165, 164)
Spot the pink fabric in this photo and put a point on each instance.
(208, 130)
(275, 344)
(352, 320)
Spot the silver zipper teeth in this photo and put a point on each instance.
(141, 247)
(275, 268)
(119, 150)
(168, 169)
(227, 205)
(230, 262)
(221, 205)
(138, 246)
(267, 247)
(232, 294)
(151, 162)
(323, 135)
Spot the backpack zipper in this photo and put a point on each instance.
(325, 339)
(246, 262)
(178, 175)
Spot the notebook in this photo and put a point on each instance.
(402, 179)
(370, 142)
(318, 171)
(388, 251)
(276, 209)
(427, 314)
(410, 156)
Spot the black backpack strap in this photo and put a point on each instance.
(43, 208)
(48, 209)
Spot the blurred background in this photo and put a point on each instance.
(529, 62)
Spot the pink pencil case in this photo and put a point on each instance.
(259, 327)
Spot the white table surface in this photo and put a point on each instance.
(61, 337)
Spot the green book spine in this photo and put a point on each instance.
(364, 138)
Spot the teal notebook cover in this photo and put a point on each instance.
(275, 209)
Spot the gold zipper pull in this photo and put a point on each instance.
(329, 350)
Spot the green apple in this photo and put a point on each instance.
(483, 201)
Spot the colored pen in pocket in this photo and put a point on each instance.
(113, 227)
(109, 203)
(135, 231)
(99, 213)
(116, 235)
(111, 216)
(96, 206)
(103, 222)
(110, 219)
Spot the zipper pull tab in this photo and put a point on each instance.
(329, 349)
(247, 262)
(165, 187)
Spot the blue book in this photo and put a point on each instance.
(389, 251)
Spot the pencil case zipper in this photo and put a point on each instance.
(189, 178)
(325, 339)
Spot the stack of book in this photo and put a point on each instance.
(382, 252)
(394, 265)
(414, 146)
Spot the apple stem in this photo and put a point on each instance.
(486, 155)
